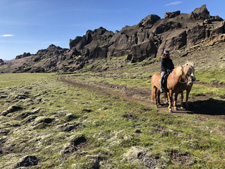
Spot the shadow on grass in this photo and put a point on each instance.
(207, 107)
(210, 107)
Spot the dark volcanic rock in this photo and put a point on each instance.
(143, 51)
(11, 109)
(93, 44)
(171, 14)
(77, 142)
(149, 21)
(23, 55)
(196, 34)
(167, 26)
(147, 39)
(1, 62)
(173, 41)
(200, 13)
(26, 161)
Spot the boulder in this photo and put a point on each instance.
(69, 127)
(171, 14)
(143, 51)
(23, 55)
(1, 62)
(29, 160)
(12, 109)
(28, 113)
(173, 42)
(149, 21)
(200, 13)
(74, 144)
(196, 35)
(121, 42)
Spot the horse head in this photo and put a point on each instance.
(189, 72)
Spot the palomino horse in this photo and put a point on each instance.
(180, 79)
(188, 86)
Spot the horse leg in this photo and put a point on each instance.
(175, 102)
(158, 94)
(170, 101)
(182, 97)
(187, 94)
(166, 97)
(156, 97)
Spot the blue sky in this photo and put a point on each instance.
(31, 25)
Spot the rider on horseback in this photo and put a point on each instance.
(167, 66)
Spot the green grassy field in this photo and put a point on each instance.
(65, 126)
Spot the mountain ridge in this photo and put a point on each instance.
(147, 39)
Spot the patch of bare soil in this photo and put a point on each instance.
(203, 105)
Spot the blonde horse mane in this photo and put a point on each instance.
(179, 71)
(184, 69)
(188, 66)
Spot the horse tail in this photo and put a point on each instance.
(153, 90)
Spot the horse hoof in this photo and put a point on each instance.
(175, 108)
(182, 107)
(170, 111)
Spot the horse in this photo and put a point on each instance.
(180, 79)
(189, 85)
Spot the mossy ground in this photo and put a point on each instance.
(110, 125)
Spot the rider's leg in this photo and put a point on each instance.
(161, 81)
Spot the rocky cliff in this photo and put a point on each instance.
(147, 39)
(1, 62)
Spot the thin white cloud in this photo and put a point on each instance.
(7, 35)
(174, 3)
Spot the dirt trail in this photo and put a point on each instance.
(214, 84)
(202, 105)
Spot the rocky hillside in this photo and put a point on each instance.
(147, 39)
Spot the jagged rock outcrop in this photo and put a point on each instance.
(147, 39)
(149, 21)
(200, 13)
(171, 14)
(93, 44)
(1, 62)
(23, 55)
